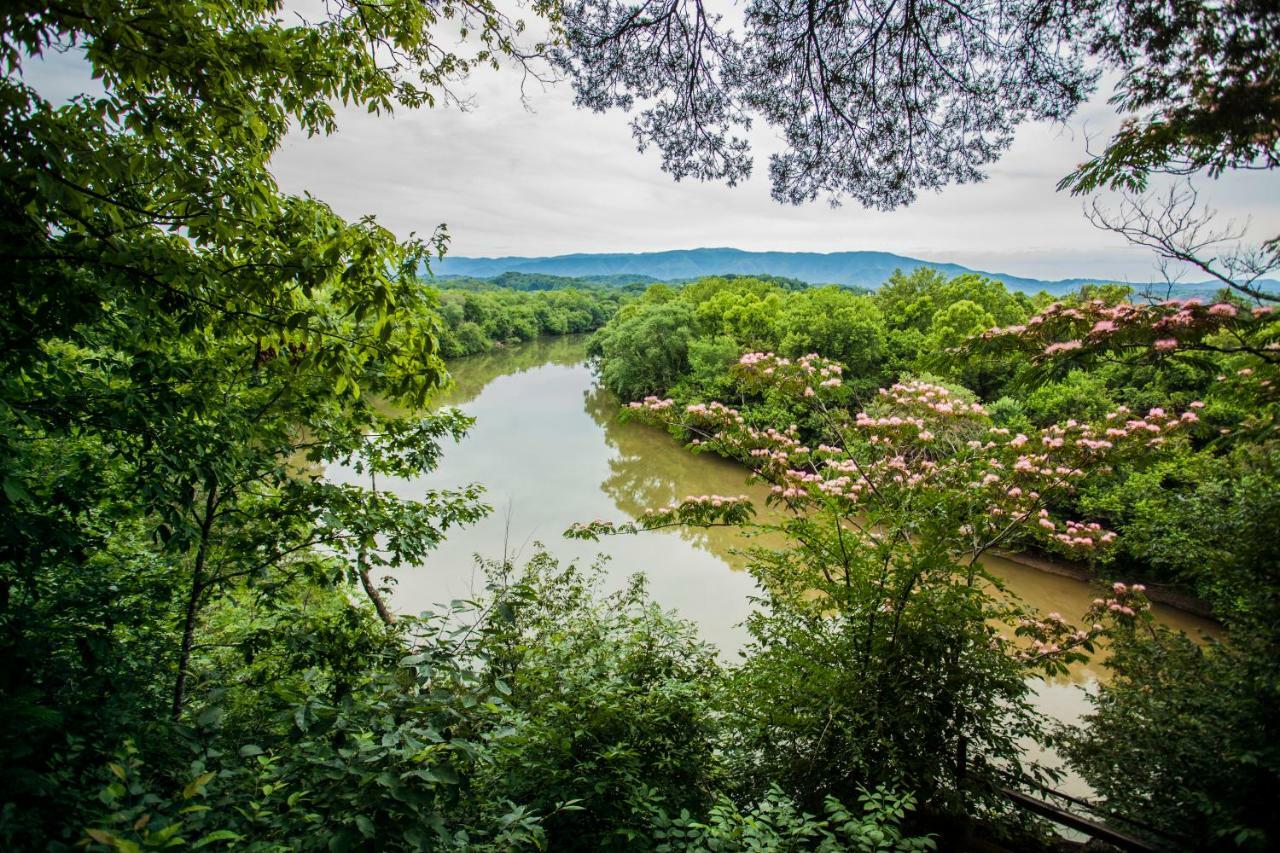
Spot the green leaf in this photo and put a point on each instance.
(196, 785)
(210, 716)
(15, 491)
(216, 836)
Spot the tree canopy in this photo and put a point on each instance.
(183, 347)
(879, 100)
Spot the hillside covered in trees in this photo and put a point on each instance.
(857, 269)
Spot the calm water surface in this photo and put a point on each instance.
(549, 448)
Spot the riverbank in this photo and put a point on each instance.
(1062, 567)
(551, 450)
(568, 457)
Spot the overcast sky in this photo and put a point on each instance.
(551, 179)
(554, 179)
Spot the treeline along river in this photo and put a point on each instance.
(551, 451)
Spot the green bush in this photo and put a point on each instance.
(610, 707)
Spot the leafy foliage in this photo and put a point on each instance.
(646, 349)
(184, 347)
(775, 824)
(879, 100)
(1199, 85)
(1184, 738)
(612, 707)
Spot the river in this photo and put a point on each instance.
(549, 448)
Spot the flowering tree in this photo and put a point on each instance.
(1182, 738)
(1242, 342)
(885, 648)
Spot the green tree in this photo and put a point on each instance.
(907, 301)
(1006, 308)
(749, 318)
(949, 329)
(955, 324)
(613, 707)
(182, 344)
(710, 362)
(1081, 394)
(646, 350)
(837, 324)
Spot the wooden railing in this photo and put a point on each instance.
(1092, 825)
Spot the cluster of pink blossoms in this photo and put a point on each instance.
(913, 410)
(1156, 422)
(703, 418)
(700, 501)
(929, 397)
(715, 412)
(1125, 600)
(1064, 346)
(804, 373)
(1165, 326)
(1085, 535)
(1051, 638)
(653, 404)
(1054, 641)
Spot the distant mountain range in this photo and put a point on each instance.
(860, 269)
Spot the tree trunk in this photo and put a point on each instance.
(193, 603)
(362, 564)
(375, 596)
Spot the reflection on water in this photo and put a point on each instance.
(472, 374)
(550, 449)
(646, 473)
(550, 452)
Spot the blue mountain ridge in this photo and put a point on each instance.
(860, 269)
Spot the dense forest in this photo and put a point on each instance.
(478, 315)
(198, 646)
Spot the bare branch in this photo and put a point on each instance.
(1181, 231)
